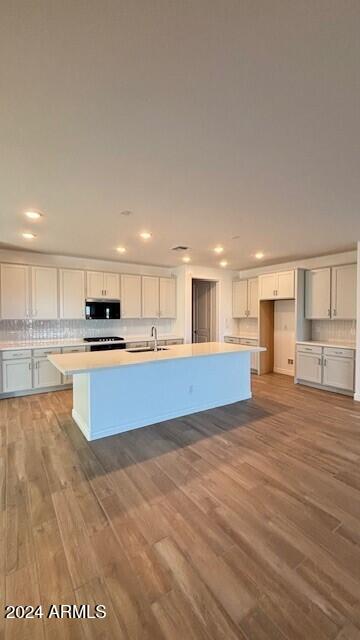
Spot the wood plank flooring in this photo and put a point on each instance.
(239, 522)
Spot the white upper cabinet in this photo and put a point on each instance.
(167, 304)
(72, 293)
(267, 286)
(111, 286)
(253, 298)
(150, 297)
(240, 304)
(276, 286)
(15, 292)
(130, 296)
(331, 293)
(44, 290)
(102, 285)
(317, 293)
(245, 298)
(343, 292)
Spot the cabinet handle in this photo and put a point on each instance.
(319, 361)
(329, 312)
(29, 366)
(324, 362)
(334, 312)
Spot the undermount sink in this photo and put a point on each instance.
(146, 349)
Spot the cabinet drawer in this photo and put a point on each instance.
(173, 341)
(249, 341)
(232, 340)
(39, 353)
(334, 351)
(305, 348)
(73, 349)
(136, 345)
(15, 355)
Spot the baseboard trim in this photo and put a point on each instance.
(81, 424)
(284, 372)
(357, 397)
(33, 392)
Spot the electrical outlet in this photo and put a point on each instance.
(290, 361)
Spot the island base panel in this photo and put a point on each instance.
(111, 401)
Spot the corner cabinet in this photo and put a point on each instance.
(330, 293)
(72, 294)
(277, 286)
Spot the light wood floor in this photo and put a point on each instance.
(240, 522)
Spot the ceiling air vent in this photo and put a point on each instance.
(180, 247)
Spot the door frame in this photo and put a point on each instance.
(214, 297)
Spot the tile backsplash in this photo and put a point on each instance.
(22, 330)
(334, 330)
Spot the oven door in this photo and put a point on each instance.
(102, 309)
(107, 347)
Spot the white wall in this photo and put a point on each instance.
(357, 378)
(223, 279)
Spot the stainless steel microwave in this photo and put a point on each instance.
(102, 309)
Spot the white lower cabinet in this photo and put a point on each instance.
(45, 374)
(308, 367)
(16, 375)
(251, 342)
(329, 367)
(338, 372)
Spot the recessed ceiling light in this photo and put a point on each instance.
(33, 215)
(219, 249)
(28, 236)
(259, 255)
(145, 235)
(223, 263)
(186, 259)
(121, 249)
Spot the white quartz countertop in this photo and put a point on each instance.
(336, 345)
(76, 342)
(88, 362)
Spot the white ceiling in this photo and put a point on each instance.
(208, 119)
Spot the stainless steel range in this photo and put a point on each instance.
(105, 343)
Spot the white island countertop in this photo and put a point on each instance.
(88, 362)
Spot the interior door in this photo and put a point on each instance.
(201, 325)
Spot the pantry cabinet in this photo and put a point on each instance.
(72, 294)
(167, 291)
(44, 293)
(102, 285)
(245, 298)
(15, 292)
(277, 286)
(130, 296)
(331, 293)
(150, 297)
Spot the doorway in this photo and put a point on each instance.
(277, 334)
(203, 310)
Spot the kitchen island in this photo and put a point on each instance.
(115, 391)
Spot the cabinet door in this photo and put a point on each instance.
(167, 297)
(17, 375)
(339, 372)
(15, 292)
(285, 287)
(343, 292)
(45, 374)
(267, 286)
(111, 286)
(308, 367)
(317, 294)
(253, 298)
(150, 297)
(72, 294)
(68, 379)
(130, 296)
(240, 300)
(44, 289)
(95, 284)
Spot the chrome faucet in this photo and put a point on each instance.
(154, 335)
